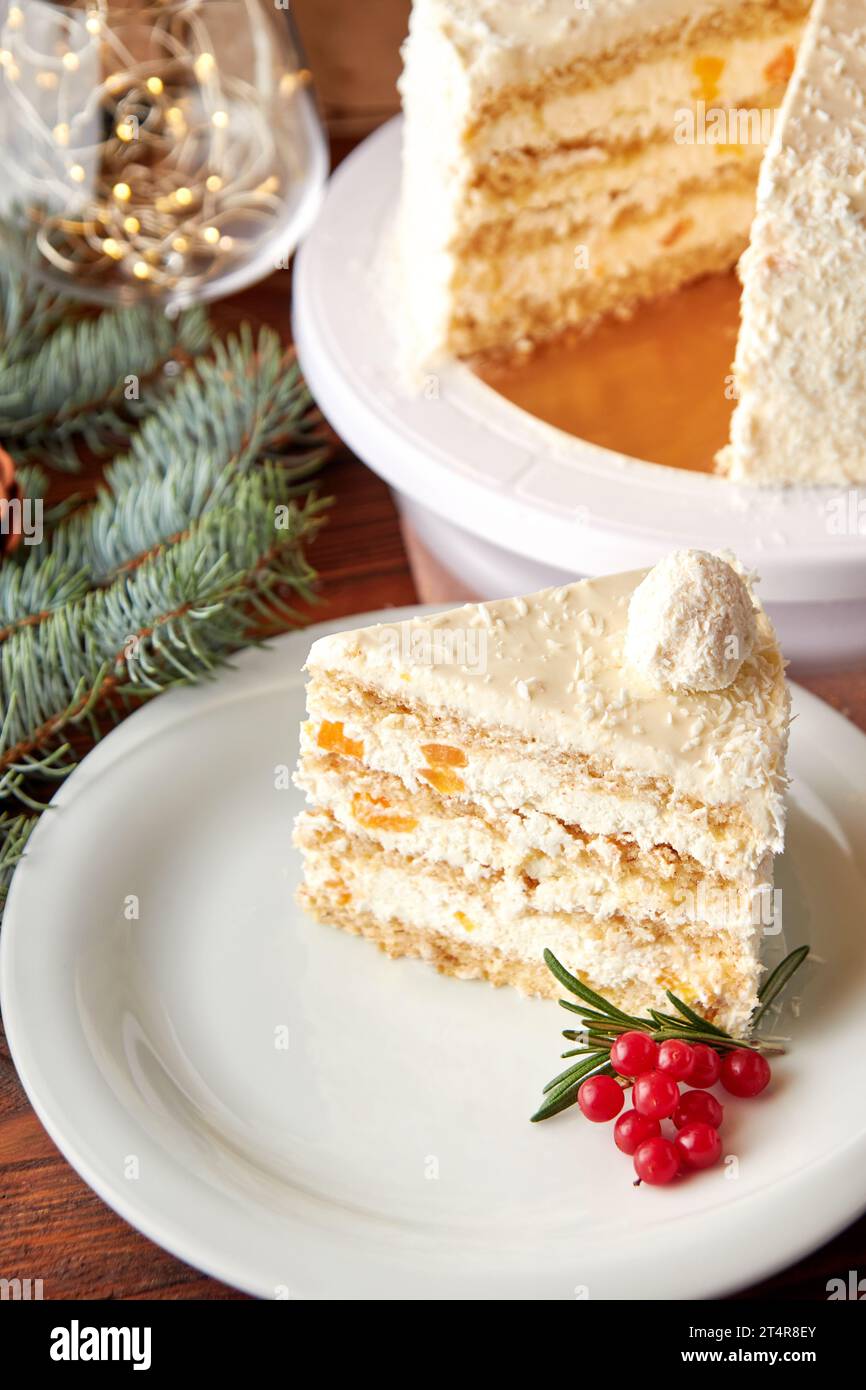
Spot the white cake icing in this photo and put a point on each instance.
(691, 623)
(800, 365)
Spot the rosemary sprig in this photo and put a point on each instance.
(603, 1022)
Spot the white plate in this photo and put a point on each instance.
(387, 1151)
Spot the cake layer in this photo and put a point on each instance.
(532, 860)
(521, 323)
(412, 910)
(570, 189)
(507, 774)
(532, 290)
(643, 103)
(655, 213)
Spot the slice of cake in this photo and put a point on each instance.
(800, 367)
(598, 769)
(563, 160)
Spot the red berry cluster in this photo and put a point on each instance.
(655, 1072)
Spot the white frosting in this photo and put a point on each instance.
(691, 623)
(800, 367)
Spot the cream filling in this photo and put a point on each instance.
(589, 187)
(703, 970)
(536, 862)
(643, 101)
(555, 268)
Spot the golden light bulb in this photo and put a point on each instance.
(61, 133)
(15, 17)
(70, 61)
(183, 196)
(226, 243)
(92, 24)
(291, 82)
(269, 185)
(155, 85)
(175, 117)
(213, 183)
(125, 130)
(141, 270)
(220, 119)
(77, 173)
(181, 244)
(131, 225)
(5, 57)
(112, 248)
(46, 80)
(211, 235)
(122, 192)
(204, 65)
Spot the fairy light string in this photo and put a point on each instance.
(145, 160)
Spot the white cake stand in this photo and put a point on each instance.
(510, 503)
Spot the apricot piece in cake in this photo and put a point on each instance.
(339, 892)
(678, 230)
(374, 813)
(779, 69)
(333, 739)
(443, 779)
(708, 71)
(443, 755)
(677, 987)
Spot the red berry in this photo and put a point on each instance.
(676, 1058)
(745, 1073)
(656, 1161)
(706, 1066)
(698, 1105)
(600, 1098)
(655, 1095)
(631, 1129)
(699, 1145)
(633, 1053)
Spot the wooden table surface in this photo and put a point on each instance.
(52, 1226)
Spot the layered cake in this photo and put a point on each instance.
(598, 769)
(563, 160)
(799, 369)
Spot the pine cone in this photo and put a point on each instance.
(10, 517)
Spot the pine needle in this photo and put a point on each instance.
(69, 380)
